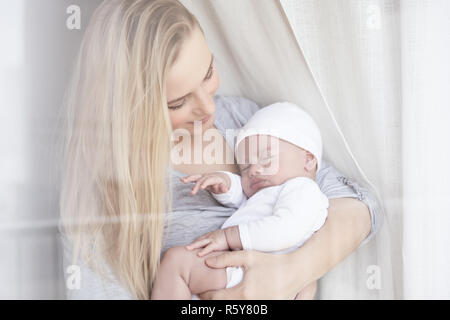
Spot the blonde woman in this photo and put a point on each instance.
(145, 70)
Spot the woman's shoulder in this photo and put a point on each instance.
(233, 112)
(334, 184)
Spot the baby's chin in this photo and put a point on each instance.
(249, 192)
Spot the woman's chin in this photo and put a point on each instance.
(204, 127)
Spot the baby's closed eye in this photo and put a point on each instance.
(244, 167)
(266, 160)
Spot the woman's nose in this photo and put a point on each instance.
(204, 103)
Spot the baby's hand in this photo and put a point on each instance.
(216, 182)
(211, 241)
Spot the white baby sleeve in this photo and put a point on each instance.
(301, 209)
(235, 196)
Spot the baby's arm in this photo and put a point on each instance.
(221, 239)
(225, 187)
(301, 209)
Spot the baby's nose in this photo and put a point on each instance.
(255, 170)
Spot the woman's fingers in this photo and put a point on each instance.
(229, 259)
(198, 244)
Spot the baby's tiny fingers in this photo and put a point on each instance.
(198, 244)
(191, 178)
(205, 182)
(198, 185)
(209, 181)
(214, 188)
(208, 249)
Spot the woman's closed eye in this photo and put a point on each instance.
(210, 73)
(208, 77)
(177, 106)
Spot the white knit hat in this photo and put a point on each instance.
(286, 121)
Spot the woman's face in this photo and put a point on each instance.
(191, 85)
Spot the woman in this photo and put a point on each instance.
(145, 70)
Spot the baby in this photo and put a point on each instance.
(279, 203)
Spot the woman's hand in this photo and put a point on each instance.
(211, 241)
(266, 276)
(216, 182)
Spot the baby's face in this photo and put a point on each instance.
(265, 161)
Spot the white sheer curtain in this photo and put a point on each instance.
(383, 67)
(425, 29)
(375, 75)
(353, 51)
(36, 58)
(12, 161)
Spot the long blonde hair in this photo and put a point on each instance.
(115, 193)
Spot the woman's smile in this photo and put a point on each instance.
(204, 120)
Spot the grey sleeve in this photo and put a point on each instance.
(91, 286)
(335, 185)
(237, 110)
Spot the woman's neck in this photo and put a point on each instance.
(194, 155)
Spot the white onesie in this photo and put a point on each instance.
(276, 219)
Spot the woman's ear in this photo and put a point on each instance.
(311, 162)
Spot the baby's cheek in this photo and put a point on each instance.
(245, 186)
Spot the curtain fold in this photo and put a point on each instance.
(352, 49)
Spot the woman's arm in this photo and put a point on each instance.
(347, 225)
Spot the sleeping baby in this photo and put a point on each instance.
(279, 205)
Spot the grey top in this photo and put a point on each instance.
(196, 215)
